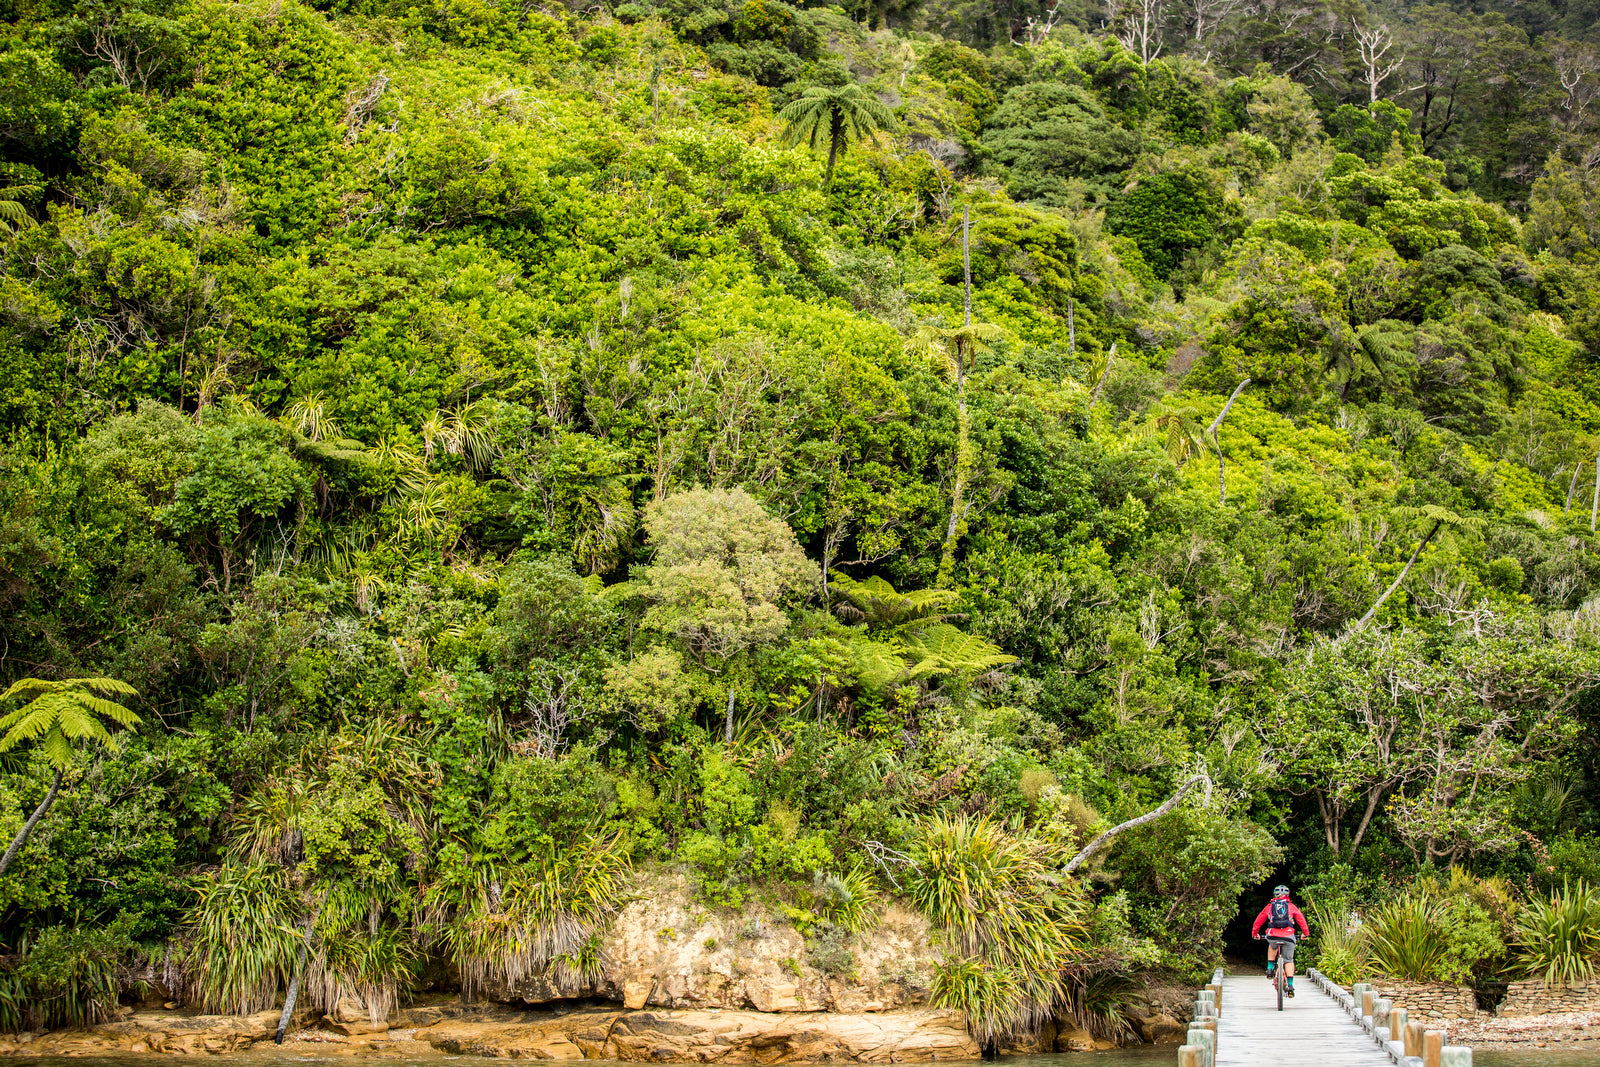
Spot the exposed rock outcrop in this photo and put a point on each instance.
(665, 950)
(713, 1036)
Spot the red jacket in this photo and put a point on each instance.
(1280, 931)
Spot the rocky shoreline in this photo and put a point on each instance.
(913, 1035)
(1565, 1030)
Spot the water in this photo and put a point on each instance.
(1142, 1056)
(1536, 1057)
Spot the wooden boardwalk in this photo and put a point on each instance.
(1311, 1031)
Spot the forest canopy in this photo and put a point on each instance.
(508, 446)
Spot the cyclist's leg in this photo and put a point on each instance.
(1272, 957)
(1286, 955)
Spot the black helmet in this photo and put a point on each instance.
(1280, 890)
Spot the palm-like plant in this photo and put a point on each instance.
(59, 717)
(843, 116)
(1368, 353)
(14, 217)
(312, 416)
(1012, 923)
(882, 607)
(1181, 432)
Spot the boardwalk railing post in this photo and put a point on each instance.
(1191, 1056)
(1207, 1040)
(1432, 1048)
(1414, 1032)
(1397, 1023)
(1215, 989)
(1380, 1017)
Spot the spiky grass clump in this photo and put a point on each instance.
(1560, 937)
(1010, 920)
(1403, 939)
(990, 995)
(242, 935)
(1344, 949)
(542, 916)
(850, 900)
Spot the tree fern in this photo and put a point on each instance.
(841, 116)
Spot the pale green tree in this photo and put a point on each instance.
(723, 572)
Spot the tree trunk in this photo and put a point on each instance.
(835, 132)
(1072, 331)
(1594, 508)
(1222, 474)
(727, 731)
(1150, 816)
(299, 972)
(1373, 796)
(963, 433)
(27, 828)
(1572, 486)
(1396, 583)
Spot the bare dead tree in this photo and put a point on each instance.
(553, 704)
(1578, 67)
(1150, 816)
(1141, 28)
(1036, 30)
(1204, 18)
(1374, 46)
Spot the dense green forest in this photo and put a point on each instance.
(483, 450)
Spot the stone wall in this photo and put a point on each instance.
(1430, 1000)
(1533, 998)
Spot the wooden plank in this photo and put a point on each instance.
(1311, 1031)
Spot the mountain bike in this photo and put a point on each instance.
(1280, 980)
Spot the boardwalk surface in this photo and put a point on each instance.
(1311, 1031)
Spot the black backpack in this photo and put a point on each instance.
(1279, 916)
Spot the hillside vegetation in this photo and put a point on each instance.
(504, 446)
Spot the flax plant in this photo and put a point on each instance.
(1404, 941)
(1560, 937)
(1005, 912)
(242, 937)
(541, 917)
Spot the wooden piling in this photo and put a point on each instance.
(1432, 1048)
(1191, 1056)
(1414, 1031)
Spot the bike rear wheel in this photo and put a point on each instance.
(1279, 981)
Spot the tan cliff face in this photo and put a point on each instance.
(666, 950)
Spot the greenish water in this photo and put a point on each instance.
(1537, 1057)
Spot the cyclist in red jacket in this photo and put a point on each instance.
(1280, 917)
